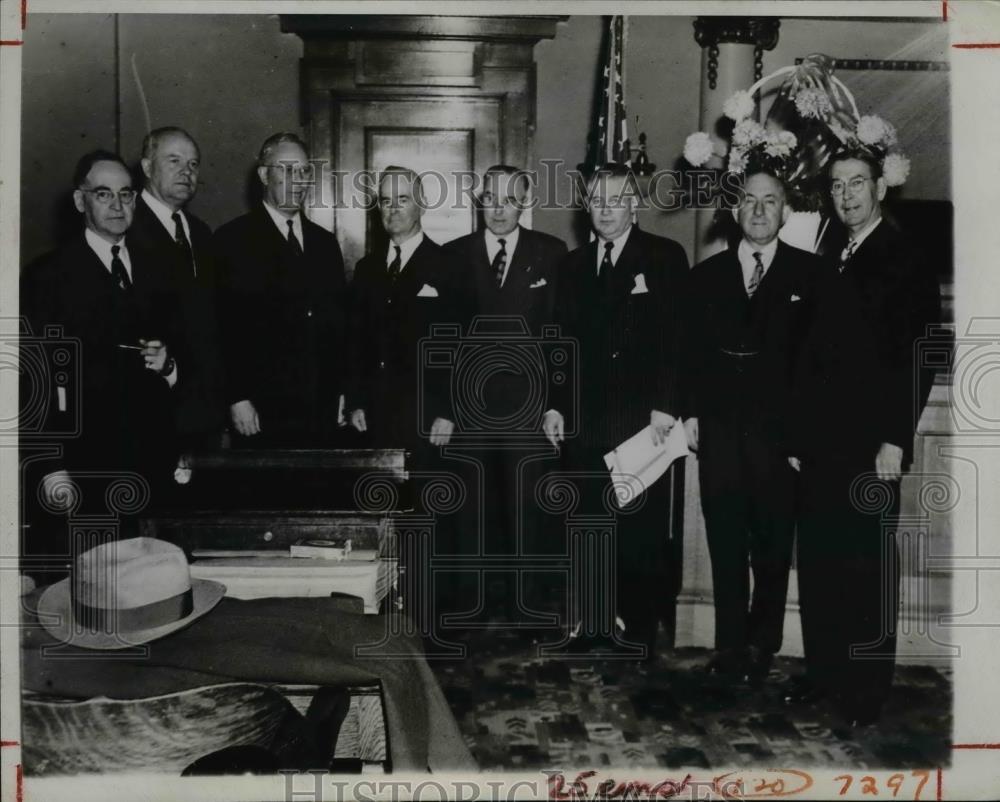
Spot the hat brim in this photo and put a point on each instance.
(55, 613)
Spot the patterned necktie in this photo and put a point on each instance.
(500, 262)
(396, 264)
(757, 275)
(604, 271)
(847, 253)
(118, 271)
(293, 241)
(182, 242)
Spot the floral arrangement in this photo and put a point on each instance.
(813, 117)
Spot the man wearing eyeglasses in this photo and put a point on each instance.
(750, 308)
(859, 397)
(280, 286)
(122, 310)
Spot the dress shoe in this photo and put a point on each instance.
(758, 666)
(801, 691)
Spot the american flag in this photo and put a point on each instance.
(612, 129)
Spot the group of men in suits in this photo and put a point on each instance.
(803, 389)
(762, 352)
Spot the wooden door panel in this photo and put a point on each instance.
(445, 135)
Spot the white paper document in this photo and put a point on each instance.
(637, 463)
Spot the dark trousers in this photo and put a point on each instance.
(648, 543)
(848, 566)
(499, 527)
(747, 492)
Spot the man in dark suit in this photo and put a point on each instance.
(621, 297)
(397, 295)
(749, 309)
(510, 278)
(281, 293)
(122, 311)
(166, 231)
(861, 357)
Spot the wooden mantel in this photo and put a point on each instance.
(399, 26)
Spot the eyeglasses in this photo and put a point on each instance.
(837, 187)
(106, 196)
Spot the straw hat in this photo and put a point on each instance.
(124, 593)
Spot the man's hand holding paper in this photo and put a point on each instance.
(638, 462)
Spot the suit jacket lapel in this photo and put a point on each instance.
(629, 264)
(481, 263)
(95, 271)
(412, 275)
(269, 235)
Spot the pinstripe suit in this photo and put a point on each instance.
(628, 366)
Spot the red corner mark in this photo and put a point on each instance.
(940, 777)
(944, 9)
(8, 743)
(19, 783)
(977, 45)
(24, 24)
(975, 746)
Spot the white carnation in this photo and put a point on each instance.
(780, 143)
(739, 106)
(737, 160)
(873, 130)
(748, 133)
(698, 148)
(813, 103)
(895, 169)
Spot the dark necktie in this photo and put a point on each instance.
(757, 275)
(396, 264)
(118, 271)
(604, 271)
(500, 261)
(293, 241)
(847, 253)
(182, 241)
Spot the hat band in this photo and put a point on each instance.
(131, 619)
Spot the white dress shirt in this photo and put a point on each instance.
(745, 252)
(616, 247)
(860, 238)
(165, 214)
(493, 248)
(281, 221)
(102, 248)
(406, 249)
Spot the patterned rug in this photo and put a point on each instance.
(521, 712)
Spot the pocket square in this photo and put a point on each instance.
(540, 283)
(427, 291)
(795, 298)
(640, 287)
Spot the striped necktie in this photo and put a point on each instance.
(118, 271)
(500, 262)
(757, 275)
(847, 253)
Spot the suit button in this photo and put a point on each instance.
(381, 365)
(614, 354)
(309, 313)
(389, 301)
